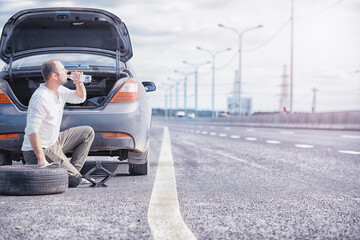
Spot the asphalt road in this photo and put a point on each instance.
(231, 182)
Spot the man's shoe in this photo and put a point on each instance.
(74, 181)
(84, 181)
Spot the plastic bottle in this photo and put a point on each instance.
(83, 78)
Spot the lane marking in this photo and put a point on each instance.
(213, 133)
(227, 129)
(192, 130)
(273, 141)
(350, 136)
(197, 131)
(234, 136)
(349, 152)
(286, 132)
(222, 135)
(223, 154)
(204, 132)
(164, 217)
(250, 130)
(303, 146)
(250, 139)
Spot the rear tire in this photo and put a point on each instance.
(140, 169)
(5, 158)
(32, 180)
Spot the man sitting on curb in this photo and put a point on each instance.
(43, 141)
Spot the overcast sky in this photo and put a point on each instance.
(164, 33)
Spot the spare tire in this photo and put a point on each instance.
(32, 180)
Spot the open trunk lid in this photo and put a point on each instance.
(45, 30)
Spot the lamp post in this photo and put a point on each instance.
(196, 66)
(240, 34)
(213, 55)
(177, 92)
(170, 87)
(185, 87)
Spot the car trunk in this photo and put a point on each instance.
(98, 91)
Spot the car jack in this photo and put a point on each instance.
(98, 166)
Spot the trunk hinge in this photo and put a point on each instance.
(117, 65)
(10, 67)
(11, 59)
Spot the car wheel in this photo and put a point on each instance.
(32, 180)
(5, 158)
(140, 169)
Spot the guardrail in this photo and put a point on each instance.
(347, 120)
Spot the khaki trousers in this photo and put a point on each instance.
(77, 139)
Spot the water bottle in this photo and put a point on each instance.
(83, 78)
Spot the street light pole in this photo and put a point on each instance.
(177, 92)
(196, 66)
(166, 102)
(185, 88)
(240, 34)
(292, 57)
(213, 55)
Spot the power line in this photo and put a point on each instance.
(320, 11)
(271, 38)
(227, 64)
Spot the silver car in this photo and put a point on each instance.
(95, 42)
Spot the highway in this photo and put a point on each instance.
(211, 181)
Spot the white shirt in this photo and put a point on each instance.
(45, 113)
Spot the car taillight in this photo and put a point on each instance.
(4, 99)
(115, 135)
(9, 136)
(129, 92)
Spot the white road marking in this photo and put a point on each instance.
(213, 133)
(192, 130)
(222, 135)
(226, 155)
(250, 130)
(204, 132)
(349, 152)
(273, 141)
(350, 136)
(197, 131)
(303, 146)
(227, 129)
(164, 217)
(250, 139)
(234, 136)
(286, 132)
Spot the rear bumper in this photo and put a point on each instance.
(135, 123)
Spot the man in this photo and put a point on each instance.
(43, 141)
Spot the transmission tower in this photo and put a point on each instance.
(313, 107)
(284, 98)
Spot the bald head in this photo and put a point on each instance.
(48, 68)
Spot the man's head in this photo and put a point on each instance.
(54, 70)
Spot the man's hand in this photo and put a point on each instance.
(42, 161)
(80, 88)
(36, 145)
(75, 76)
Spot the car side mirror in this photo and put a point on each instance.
(149, 86)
